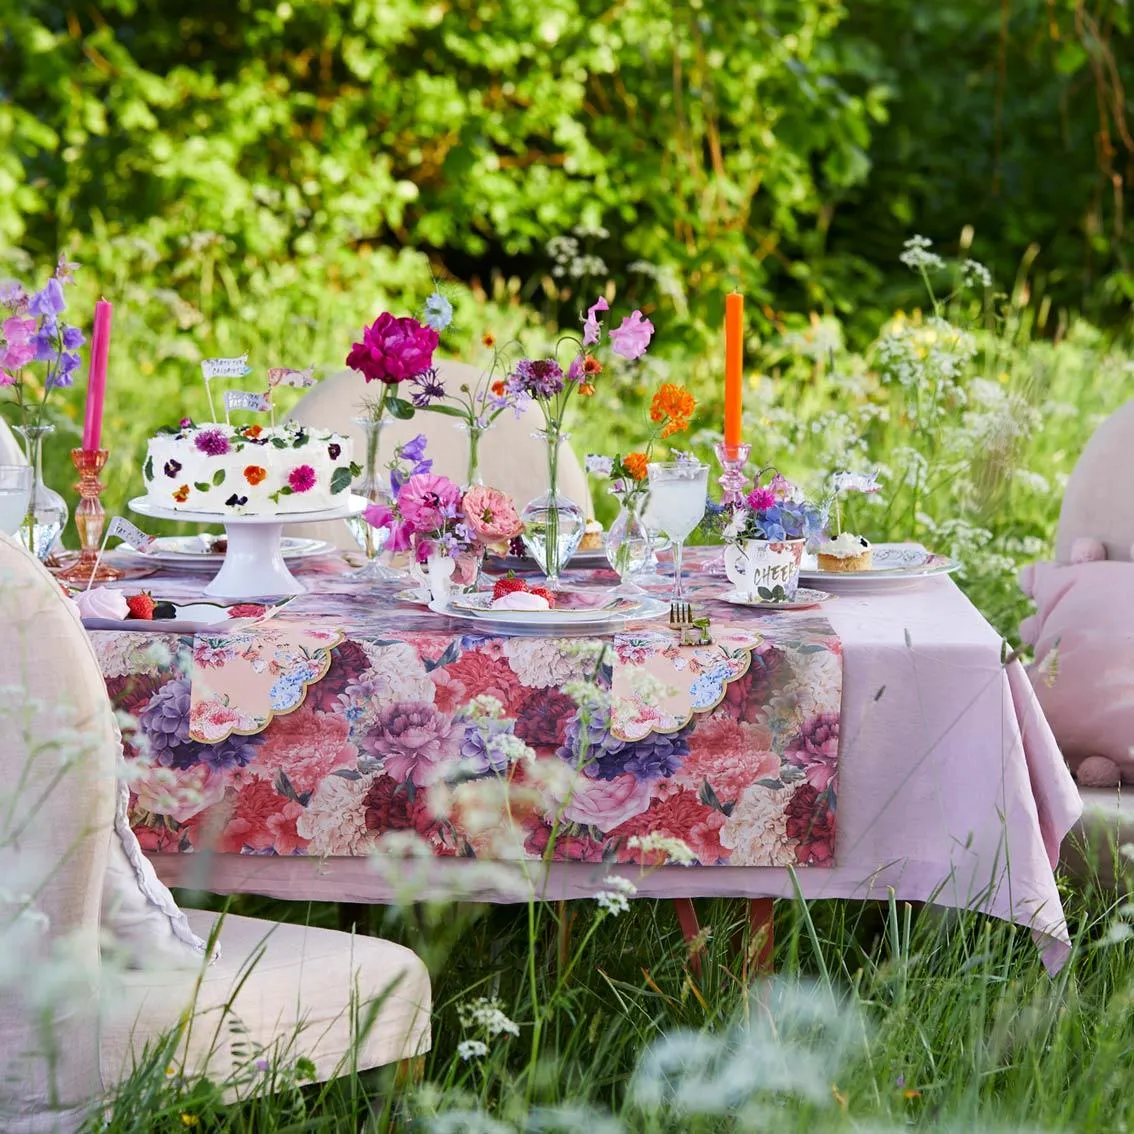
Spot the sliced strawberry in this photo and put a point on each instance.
(543, 593)
(141, 606)
(508, 585)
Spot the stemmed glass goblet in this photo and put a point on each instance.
(15, 491)
(678, 492)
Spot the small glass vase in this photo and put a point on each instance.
(375, 487)
(474, 434)
(628, 544)
(553, 525)
(47, 511)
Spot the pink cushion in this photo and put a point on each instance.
(1083, 632)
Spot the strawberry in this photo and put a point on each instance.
(508, 585)
(543, 593)
(141, 606)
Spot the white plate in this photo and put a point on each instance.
(190, 618)
(192, 553)
(805, 598)
(577, 607)
(558, 621)
(891, 563)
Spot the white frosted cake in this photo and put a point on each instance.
(248, 469)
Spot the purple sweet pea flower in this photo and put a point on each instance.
(631, 337)
(46, 340)
(414, 449)
(73, 338)
(49, 300)
(591, 324)
(63, 375)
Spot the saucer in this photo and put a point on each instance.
(805, 597)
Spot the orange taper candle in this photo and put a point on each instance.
(734, 362)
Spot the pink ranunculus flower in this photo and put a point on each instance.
(426, 501)
(632, 336)
(591, 323)
(605, 803)
(393, 350)
(491, 514)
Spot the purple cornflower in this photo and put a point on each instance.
(537, 377)
(211, 442)
(429, 389)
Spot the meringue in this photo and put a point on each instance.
(102, 602)
(521, 600)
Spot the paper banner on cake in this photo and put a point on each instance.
(129, 533)
(246, 400)
(285, 376)
(225, 367)
(856, 482)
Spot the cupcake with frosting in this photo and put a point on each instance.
(847, 552)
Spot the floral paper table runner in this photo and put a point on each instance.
(343, 722)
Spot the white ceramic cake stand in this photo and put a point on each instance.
(253, 566)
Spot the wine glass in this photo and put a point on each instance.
(678, 491)
(15, 491)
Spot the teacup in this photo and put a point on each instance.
(756, 565)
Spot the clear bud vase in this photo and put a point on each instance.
(628, 545)
(553, 525)
(47, 511)
(374, 485)
(474, 434)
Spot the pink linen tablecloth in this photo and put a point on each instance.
(952, 790)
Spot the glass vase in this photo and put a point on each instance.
(47, 511)
(553, 525)
(472, 472)
(628, 544)
(375, 486)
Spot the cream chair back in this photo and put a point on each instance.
(512, 457)
(57, 764)
(11, 452)
(1095, 502)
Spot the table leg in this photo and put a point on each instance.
(762, 925)
(690, 930)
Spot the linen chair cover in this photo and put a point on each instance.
(11, 452)
(279, 990)
(512, 458)
(1096, 507)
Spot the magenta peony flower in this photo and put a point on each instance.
(412, 740)
(211, 442)
(491, 514)
(591, 323)
(760, 499)
(631, 338)
(393, 350)
(301, 478)
(426, 501)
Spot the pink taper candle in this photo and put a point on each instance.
(96, 383)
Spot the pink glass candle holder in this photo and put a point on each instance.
(732, 480)
(90, 519)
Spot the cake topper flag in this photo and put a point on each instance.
(245, 399)
(222, 368)
(285, 376)
(128, 533)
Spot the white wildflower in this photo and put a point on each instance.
(472, 1049)
(485, 707)
(612, 902)
(622, 885)
(676, 850)
(973, 272)
(487, 1014)
(916, 255)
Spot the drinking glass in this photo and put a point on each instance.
(15, 491)
(678, 491)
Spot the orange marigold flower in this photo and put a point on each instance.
(181, 494)
(675, 403)
(498, 387)
(254, 474)
(586, 390)
(252, 431)
(591, 365)
(488, 338)
(675, 425)
(635, 465)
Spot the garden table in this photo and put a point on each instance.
(950, 787)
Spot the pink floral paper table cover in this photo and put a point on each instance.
(349, 717)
